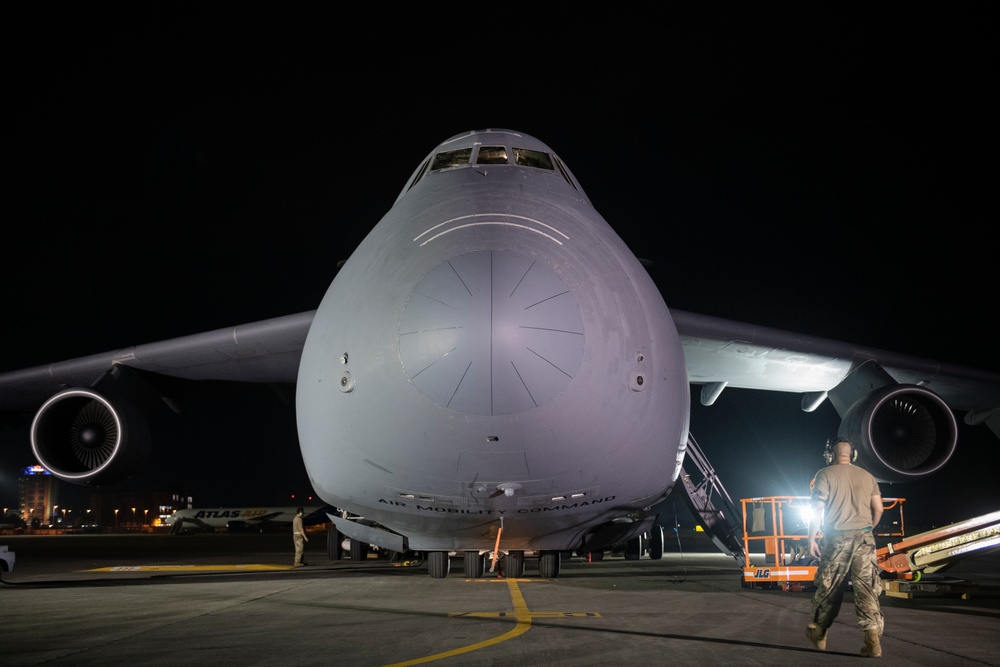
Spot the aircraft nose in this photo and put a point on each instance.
(491, 333)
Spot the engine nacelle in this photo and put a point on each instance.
(904, 432)
(87, 436)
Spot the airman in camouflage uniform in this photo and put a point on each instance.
(851, 506)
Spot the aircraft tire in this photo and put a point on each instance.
(475, 564)
(513, 564)
(548, 564)
(656, 542)
(359, 551)
(438, 564)
(633, 548)
(334, 549)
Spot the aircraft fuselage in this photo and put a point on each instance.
(492, 352)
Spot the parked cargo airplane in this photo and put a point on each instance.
(242, 518)
(493, 370)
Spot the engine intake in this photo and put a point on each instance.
(86, 437)
(904, 432)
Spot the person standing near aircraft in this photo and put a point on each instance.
(848, 504)
(299, 538)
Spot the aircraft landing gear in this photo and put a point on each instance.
(334, 549)
(513, 564)
(475, 564)
(549, 563)
(359, 551)
(438, 564)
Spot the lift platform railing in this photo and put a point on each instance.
(778, 528)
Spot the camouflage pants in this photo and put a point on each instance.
(848, 556)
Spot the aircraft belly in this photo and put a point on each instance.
(519, 366)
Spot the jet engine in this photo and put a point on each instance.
(91, 435)
(903, 432)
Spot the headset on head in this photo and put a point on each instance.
(828, 454)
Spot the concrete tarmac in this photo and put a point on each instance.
(232, 599)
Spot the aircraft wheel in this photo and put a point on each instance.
(513, 564)
(548, 564)
(656, 542)
(334, 550)
(359, 550)
(475, 564)
(438, 564)
(633, 548)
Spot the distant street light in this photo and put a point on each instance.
(116, 519)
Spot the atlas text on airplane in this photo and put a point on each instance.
(493, 370)
(235, 519)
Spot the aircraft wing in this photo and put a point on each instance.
(264, 351)
(722, 353)
(719, 353)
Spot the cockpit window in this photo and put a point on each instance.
(523, 157)
(565, 174)
(529, 158)
(449, 159)
(492, 155)
(420, 173)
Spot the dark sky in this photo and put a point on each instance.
(187, 168)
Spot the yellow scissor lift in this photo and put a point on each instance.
(776, 536)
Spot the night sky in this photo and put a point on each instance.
(187, 168)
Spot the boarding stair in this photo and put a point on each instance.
(710, 504)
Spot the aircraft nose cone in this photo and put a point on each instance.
(491, 333)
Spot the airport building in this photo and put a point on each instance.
(39, 505)
(130, 511)
(38, 495)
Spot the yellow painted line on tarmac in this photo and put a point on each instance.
(190, 568)
(521, 614)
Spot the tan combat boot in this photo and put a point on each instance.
(816, 635)
(873, 646)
